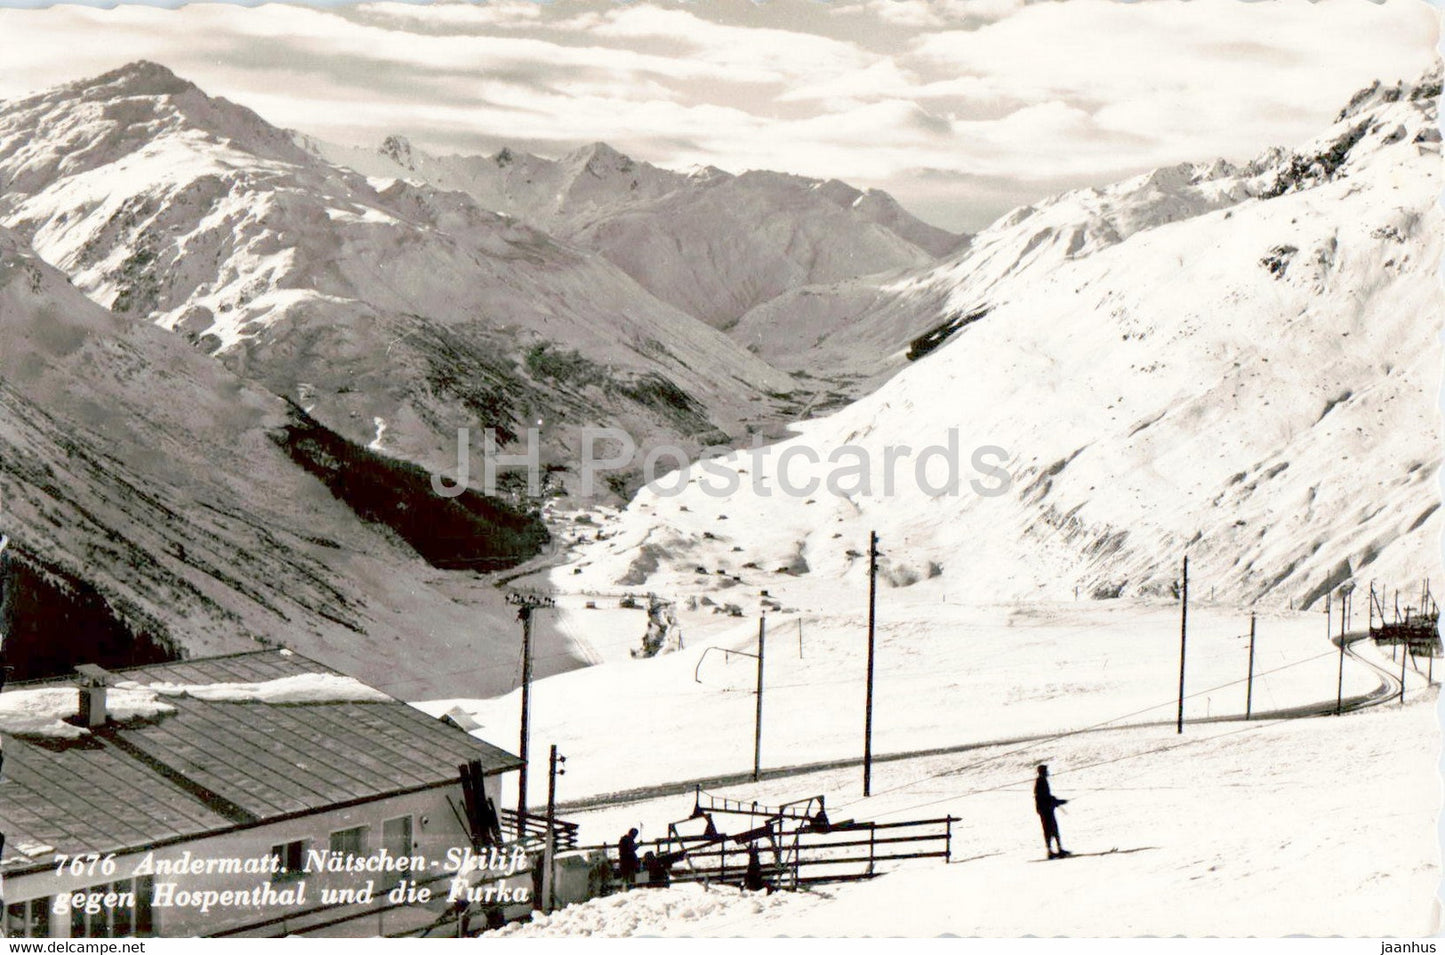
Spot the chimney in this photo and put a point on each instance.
(93, 681)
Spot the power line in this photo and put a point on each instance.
(498, 666)
(1075, 732)
(1102, 762)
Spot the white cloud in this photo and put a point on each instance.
(882, 79)
(784, 53)
(1195, 78)
(461, 16)
(931, 13)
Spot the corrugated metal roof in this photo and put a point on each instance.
(212, 766)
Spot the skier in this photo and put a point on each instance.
(627, 858)
(1044, 804)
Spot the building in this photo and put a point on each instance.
(267, 789)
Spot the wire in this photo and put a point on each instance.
(1086, 729)
(1105, 762)
(487, 668)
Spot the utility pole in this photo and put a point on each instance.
(1404, 658)
(526, 604)
(1249, 690)
(758, 717)
(4, 582)
(1183, 636)
(872, 619)
(1340, 688)
(554, 769)
(4, 658)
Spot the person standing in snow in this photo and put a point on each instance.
(1045, 802)
(627, 858)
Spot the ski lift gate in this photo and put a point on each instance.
(797, 844)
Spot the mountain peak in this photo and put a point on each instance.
(92, 123)
(599, 158)
(398, 149)
(140, 78)
(1427, 88)
(600, 150)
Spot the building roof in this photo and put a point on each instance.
(213, 766)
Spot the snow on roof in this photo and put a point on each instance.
(44, 712)
(301, 688)
(224, 753)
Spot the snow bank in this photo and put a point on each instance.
(652, 912)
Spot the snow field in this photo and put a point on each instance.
(1311, 826)
(947, 676)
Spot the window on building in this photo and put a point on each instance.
(29, 919)
(396, 835)
(132, 917)
(349, 841)
(145, 888)
(291, 855)
(396, 840)
(123, 919)
(100, 921)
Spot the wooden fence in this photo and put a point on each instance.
(793, 857)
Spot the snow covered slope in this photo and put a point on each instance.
(150, 509)
(1229, 832)
(394, 314)
(1237, 363)
(869, 325)
(967, 701)
(861, 321)
(709, 242)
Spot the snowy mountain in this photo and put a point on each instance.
(1235, 363)
(871, 326)
(868, 324)
(711, 243)
(393, 313)
(152, 508)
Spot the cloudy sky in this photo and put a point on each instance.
(960, 108)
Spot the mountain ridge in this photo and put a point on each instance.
(1234, 363)
(151, 510)
(401, 311)
(767, 232)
